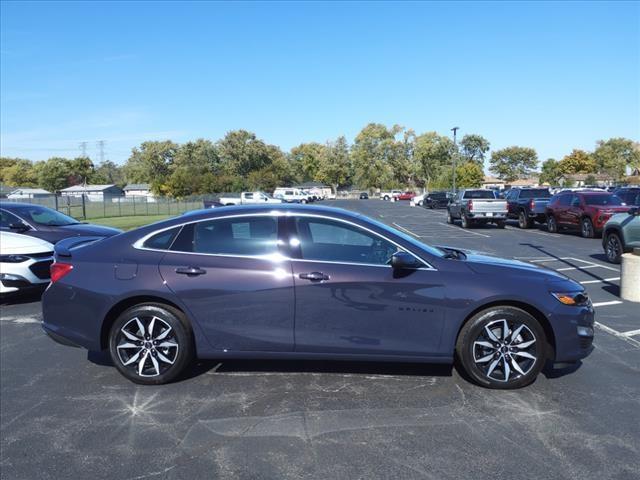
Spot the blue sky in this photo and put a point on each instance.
(553, 76)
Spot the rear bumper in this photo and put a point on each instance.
(488, 216)
(59, 338)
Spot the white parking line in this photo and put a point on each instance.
(631, 333)
(615, 333)
(565, 269)
(600, 281)
(406, 230)
(605, 304)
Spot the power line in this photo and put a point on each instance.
(100, 144)
(83, 148)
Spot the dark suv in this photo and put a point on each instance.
(629, 195)
(585, 211)
(437, 200)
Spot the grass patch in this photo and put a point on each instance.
(128, 223)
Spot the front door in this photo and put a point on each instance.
(236, 284)
(349, 300)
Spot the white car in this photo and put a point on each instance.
(24, 262)
(290, 195)
(418, 200)
(249, 198)
(393, 194)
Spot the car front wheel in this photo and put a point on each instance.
(502, 347)
(552, 226)
(613, 247)
(151, 344)
(449, 218)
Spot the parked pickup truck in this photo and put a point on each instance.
(477, 206)
(388, 195)
(528, 205)
(249, 198)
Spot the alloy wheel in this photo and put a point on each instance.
(613, 248)
(147, 345)
(505, 351)
(587, 228)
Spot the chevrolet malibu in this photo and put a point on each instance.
(300, 282)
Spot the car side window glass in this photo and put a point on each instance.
(230, 236)
(575, 201)
(162, 240)
(7, 219)
(334, 241)
(564, 200)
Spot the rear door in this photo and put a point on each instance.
(574, 212)
(348, 298)
(230, 274)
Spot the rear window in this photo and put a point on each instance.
(162, 240)
(602, 200)
(536, 193)
(630, 197)
(471, 194)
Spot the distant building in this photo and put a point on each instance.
(139, 190)
(580, 180)
(28, 192)
(5, 191)
(317, 188)
(523, 182)
(93, 193)
(493, 183)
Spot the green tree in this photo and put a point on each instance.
(474, 148)
(151, 163)
(194, 169)
(373, 154)
(433, 155)
(335, 164)
(306, 159)
(80, 170)
(613, 156)
(18, 172)
(277, 172)
(578, 161)
(54, 174)
(514, 162)
(241, 153)
(550, 172)
(107, 172)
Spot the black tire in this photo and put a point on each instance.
(613, 247)
(552, 225)
(449, 218)
(586, 228)
(466, 222)
(303, 201)
(159, 364)
(493, 373)
(501, 224)
(523, 220)
(386, 198)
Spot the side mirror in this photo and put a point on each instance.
(19, 226)
(635, 211)
(404, 261)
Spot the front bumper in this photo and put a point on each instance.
(574, 332)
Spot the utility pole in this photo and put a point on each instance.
(83, 148)
(100, 144)
(455, 154)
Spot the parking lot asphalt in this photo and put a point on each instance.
(67, 413)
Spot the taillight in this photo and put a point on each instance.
(59, 270)
(532, 204)
(470, 205)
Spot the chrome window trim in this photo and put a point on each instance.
(18, 217)
(138, 244)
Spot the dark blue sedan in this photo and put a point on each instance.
(304, 282)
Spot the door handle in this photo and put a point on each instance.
(191, 271)
(314, 276)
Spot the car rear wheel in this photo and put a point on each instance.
(613, 247)
(586, 228)
(501, 224)
(552, 226)
(466, 222)
(523, 220)
(151, 344)
(502, 347)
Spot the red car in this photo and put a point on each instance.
(586, 211)
(406, 196)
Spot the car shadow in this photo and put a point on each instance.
(31, 295)
(200, 367)
(549, 371)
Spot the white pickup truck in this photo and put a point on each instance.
(477, 207)
(390, 194)
(249, 198)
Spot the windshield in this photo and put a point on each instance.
(471, 194)
(603, 200)
(537, 193)
(45, 216)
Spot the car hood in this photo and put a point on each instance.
(90, 230)
(481, 262)
(15, 243)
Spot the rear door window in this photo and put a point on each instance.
(246, 236)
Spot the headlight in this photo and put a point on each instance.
(13, 258)
(572, 298)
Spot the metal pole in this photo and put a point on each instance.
(455, 154)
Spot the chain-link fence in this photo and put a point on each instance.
(87, 207)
